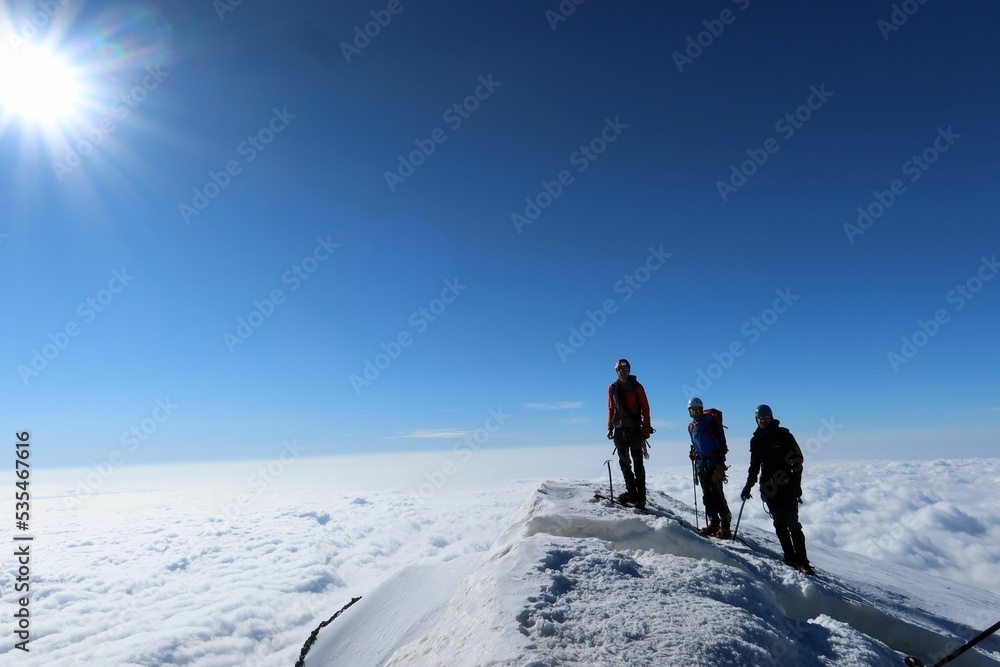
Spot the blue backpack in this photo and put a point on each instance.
(715, 412)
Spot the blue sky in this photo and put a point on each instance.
(482, 206)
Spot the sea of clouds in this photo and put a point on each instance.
(204, 565)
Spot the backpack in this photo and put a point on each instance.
(630, 415)
(715, 412)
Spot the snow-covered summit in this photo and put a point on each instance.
(576, 580)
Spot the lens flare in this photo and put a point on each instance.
(38, 86)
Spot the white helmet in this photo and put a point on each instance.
(696, 403)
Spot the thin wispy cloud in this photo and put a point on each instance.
(562, 405)
(430, 433)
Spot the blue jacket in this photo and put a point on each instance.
(708, 441)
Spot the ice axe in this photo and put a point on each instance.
(738, 517)
(694, 478)
(915, 662)
(611, 488)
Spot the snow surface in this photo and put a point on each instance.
(207, 565)
(575, 580)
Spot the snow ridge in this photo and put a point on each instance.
(574, 580)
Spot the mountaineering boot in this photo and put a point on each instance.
(799, 542)
(625, 498)
(723, 533)
(710, 529)
(787, 548)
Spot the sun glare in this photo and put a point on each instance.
(38, 86)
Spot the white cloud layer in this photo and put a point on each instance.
(235, 564)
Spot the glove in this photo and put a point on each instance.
(746, 493)
(719, 473)
(692, 455)
(647, 431)
(611, 434)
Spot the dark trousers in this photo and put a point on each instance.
(628, 442)
(714, 496)
(785, 516)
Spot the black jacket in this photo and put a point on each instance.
(777, 457)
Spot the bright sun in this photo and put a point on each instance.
(37, 86)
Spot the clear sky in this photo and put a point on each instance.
(380, 226)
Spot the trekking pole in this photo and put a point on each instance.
(611, 494)
(915, 662)
(694, 478)
(738, 517)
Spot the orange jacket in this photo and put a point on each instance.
(635, 405)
